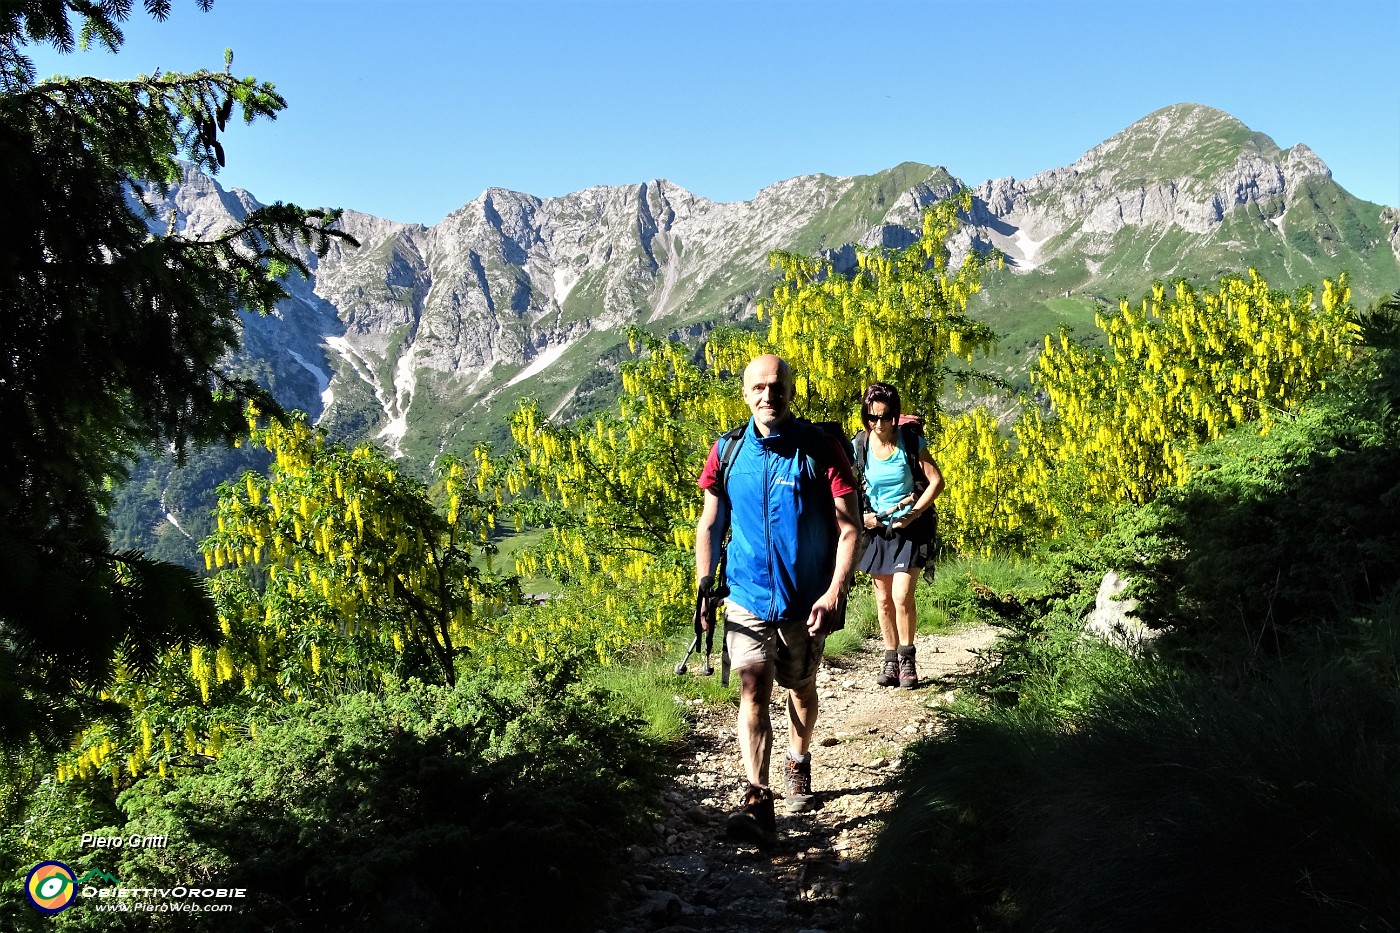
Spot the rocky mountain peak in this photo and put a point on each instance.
(501, 289)
(1303, 161)
(1185, 167)
(423, 338)
(1173, 143)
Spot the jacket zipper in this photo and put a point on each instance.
(768, 536)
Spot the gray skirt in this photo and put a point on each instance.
(889, 551)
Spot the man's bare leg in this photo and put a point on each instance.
(802, 715)
(755, 821)
(797, 764)
(755, 723)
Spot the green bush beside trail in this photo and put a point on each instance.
(413, 809)
(1244, 775)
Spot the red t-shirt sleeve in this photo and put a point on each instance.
(839, 472)
(710, 474)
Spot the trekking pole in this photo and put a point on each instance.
(695, 642)
(884, 517)
(709, 610)
(680, 668)
(706, 601)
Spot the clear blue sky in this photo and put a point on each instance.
(410, 108)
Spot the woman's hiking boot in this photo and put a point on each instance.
(755, 822)
(797, 785)
(908, 672)
(889, 670)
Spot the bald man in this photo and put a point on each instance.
(788, 499)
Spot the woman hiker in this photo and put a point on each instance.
(899, 481)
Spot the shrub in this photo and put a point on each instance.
(1173, 805)
(409, 809)
(1280, 539)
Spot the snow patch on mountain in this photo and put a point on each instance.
(395, 407)
(564, 282)
(405, 385)
(542, 362)
(323, 381)
(1020, 247)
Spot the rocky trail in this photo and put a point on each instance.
(692, 878)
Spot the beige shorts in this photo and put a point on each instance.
(795, 653)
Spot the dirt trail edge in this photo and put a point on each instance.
(692, 878)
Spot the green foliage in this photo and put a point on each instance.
(944, 605)
(843, 642)
(410, 807)
(954, 597)
(42, 818)
(1286, 537)
(648, 686)
(110, 341)
(335, 572)
(1380, 326)
(617, 494)
(1241, 777)
(1042, 661)
(1167, 806)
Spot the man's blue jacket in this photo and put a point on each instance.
(781, 495)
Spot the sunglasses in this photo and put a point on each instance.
(876, 419)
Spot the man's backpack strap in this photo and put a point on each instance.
(729, 443)
(861, 454)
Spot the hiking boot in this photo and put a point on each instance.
(889, 671)
(797, 786)
(908, 673)
(755, 822)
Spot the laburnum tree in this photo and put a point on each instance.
(1179, 371)
(333, 570)
(335, 541)
(110, 341)
(899, 317)
(986, 507)
(617, 494)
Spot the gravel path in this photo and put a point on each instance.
(693, 878)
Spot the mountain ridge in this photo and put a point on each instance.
(425, 336)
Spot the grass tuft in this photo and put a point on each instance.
(649, 687)
(1171, 805)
